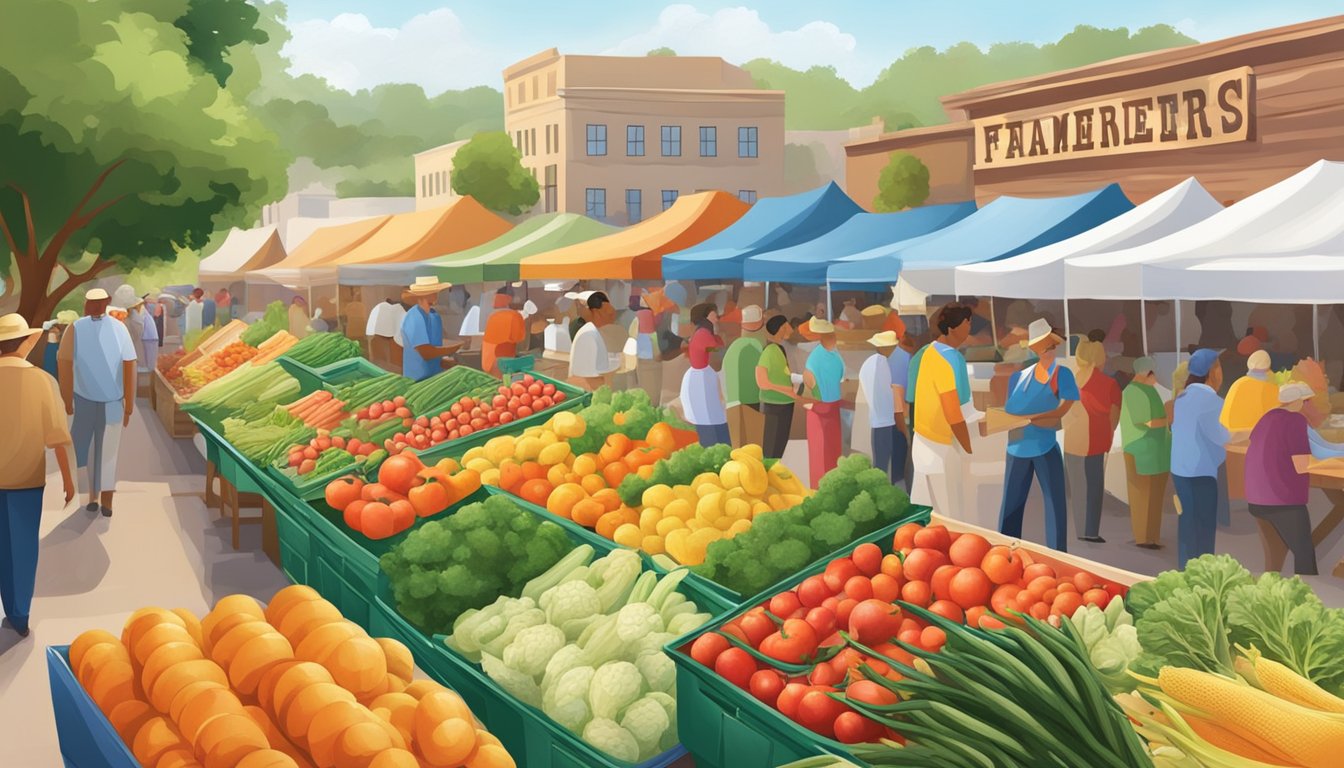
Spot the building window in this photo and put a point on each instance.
(556, 131)
(671, 141)
(634, 140)
(669, 197)
(424, 186)
(548, 139)
(709, 141)
(550, 83)
(597, 139)
(550, 188)
(595, 203)
(522, 94)
(747, 196)
(748, 142)
(535, 80)
(518, 140)
(532, 140)
(634, 205)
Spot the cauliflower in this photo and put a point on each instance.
(653, 643)
(565, 659)
(615, 686)
(660, 674)
(517, 622)
(567, 700)
(572, 600)
(669, 706)
(636, 620)
(647, 722)
(608, 736)
(686, 622)
(533, 647)
(520, 685)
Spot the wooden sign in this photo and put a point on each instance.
(1196, 112)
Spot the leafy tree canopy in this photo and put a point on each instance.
(490, 169)
(662, 51)
(903, 183)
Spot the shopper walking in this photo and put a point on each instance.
(779, 392)
(504, 330)
(34, 422)
(1089, 431)
(701, 392)
(1198, 450)
(422, 331)
(1146, 440)
(1041, 393)
(97, 364)
(941, 436)
(885, 412)
(822, 374)
(1277, 482)
(743, 394)
(149, 334)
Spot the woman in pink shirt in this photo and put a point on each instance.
(701, 393)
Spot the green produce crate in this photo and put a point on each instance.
(296, 546)
(575, 399)
(309, 380)
(722, 725)
(313, 487)
(231, 465)
(347, 371)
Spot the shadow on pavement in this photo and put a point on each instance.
(71, 560)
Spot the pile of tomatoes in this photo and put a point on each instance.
(469, 415)
(801, 657)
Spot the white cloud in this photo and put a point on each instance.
(432, 49)
(739, 35)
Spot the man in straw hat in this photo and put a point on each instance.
(741, 392)
(886, 406)
(97, 364)
(422, 331)
(1041, 393)
(1277, 482)
(822, 373)
(34, 422)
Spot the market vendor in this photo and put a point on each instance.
(1251, 396)
(503, 331)
(822, 374)
(590, 364)
(1042, 393)
(1277, 482)
(422, 331)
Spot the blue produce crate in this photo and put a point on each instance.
(87, 739)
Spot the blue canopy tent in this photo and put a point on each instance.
(806, 263)
(1006, 227)
(773, 222)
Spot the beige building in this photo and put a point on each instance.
(433, 176)
(619, 138)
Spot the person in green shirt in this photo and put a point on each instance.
(1145, 434)
(742, 393)
(777, 390)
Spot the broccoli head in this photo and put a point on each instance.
(862, 510)
(788, 556)
(836, 489)
(832, 530)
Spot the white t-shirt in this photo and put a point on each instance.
(385, 320)
(875, 381)
(588, 354)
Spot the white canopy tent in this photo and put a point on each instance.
(1039, 274)
(242, 250)
(1296, 216)
(1290, 279)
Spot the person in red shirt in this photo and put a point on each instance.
(1089, 432)
(503, 331)
(701, 390)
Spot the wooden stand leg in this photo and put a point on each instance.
(211, 474)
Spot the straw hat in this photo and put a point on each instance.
(427, 286)
(66, 317)
(752, 314)
(1294, 391)
(13, 326)
(820, 326)
(884, 339)
(874, 310)
(96, 294)
(1039, 331)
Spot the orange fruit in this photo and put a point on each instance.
(562, 500)
(225, 740)
(87, 640)
(394, 758)
(327, 726)
(111, 684)
(192, 623)
(293, 680)
(533, 471)
(586, 464)
(536, 491)
(306, 617)
(617, 445)
(178, 757)
(399, 660)
(556, 474)
(322, 640)
(615, 472)
(266, 687)
(593, 483)
(267, 758)
(163, 657)
(645, 472)
(254, 658)
(95, 657)
(156, 636)
(213, 630)
(357, 665)
(226, 647)
(142, 620)
(510, 475)
(608, 523)
(204, 707)
(608, 498)
(287, 598)
(587, 512)
(418, 689)
(187, 694)
(128, 716)
(154, 738)
(298, 714)
(179, 676)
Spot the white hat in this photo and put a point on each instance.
(1294, 391)
(579, 295)
(1258, 361)
(426, 285)
(13, 326)
(96, 294)
(752, 314)
(1040, 330)
(884, 339)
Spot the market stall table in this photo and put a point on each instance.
(1328, 476)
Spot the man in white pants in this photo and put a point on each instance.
(97, 366)
(942, 437)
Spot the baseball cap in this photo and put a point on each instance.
(1202, 361)
(1294, 391)
(1144, 365)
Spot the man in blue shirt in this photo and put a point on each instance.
(422, 331)
(1198, 450)
(1041, 393)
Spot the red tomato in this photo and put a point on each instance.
(970, 587)
(1039, 610)
(825, 674)
(766, 685)
(757, 626)
(353, 512)
(886, 587)
(990, 621)
(838, 572)
(874, 621)
(905, 536)
(932, 638)
(793, 643)
(499, 401)
(817, 712)
(505, 417)
(1085, 581)
(1066, 603)
(941, 580)
(869, 692)
(734, 630)
(910, 636)
(853, 728)
(813, 591)
(974, 614)
(934, 537)
(1098, 597)
(969, 550)
(1002, 565)
(867, 558)
(822, 620)
(1037, 570)
(342, 491)
(707, 647)
(789, 698)
(948, 610)
(859, 588)
(917, 592)
(843, 610)
(922, 562)
(524, 411)
(736, 666)
(832, 602)
(891, 566)
(784, 604)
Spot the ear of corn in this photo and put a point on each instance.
(1277, 679)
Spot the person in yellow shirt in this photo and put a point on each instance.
(941, 435)
(1251, 396)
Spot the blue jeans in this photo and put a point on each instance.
(713, 434)
(1048, 468)
(20, 518)
(1197, 524)
(889, 451)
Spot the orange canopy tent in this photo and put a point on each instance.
(321, 248)
(636, 253)
(423, 235)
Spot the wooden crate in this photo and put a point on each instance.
(1043, 554)
(175, 422)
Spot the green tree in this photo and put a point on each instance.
(490, 169)
(118, 143)
(213, 27)
(663, 51)
(903, 183)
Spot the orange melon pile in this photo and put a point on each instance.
(291, 685)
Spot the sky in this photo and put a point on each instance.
(444, 45)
